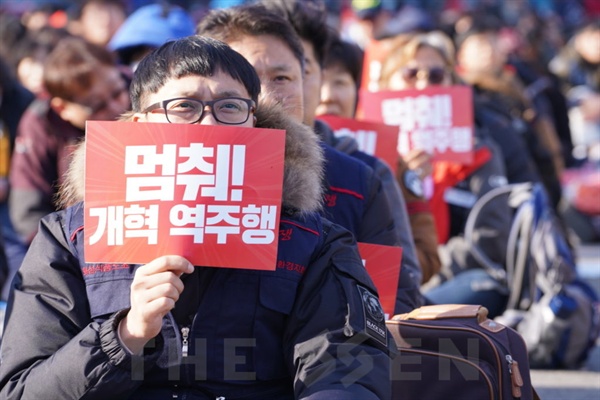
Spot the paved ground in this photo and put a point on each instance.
(583, 384)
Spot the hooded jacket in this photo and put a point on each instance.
(312, 328)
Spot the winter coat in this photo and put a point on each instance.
(387, 208)
(312, 328)
(41, 155)
(412, 218)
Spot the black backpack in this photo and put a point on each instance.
(556, 312)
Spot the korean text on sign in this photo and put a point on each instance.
(187, 192)
(437, 120)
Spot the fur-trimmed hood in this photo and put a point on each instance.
(303, 168)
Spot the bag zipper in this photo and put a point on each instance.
(464, 360)
(516, 379)
(499, 364)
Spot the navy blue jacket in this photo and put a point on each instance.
(357, 197)
(310, 329)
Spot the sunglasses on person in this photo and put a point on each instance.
(434, 76)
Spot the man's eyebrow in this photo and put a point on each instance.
(218, 95)
(280, 68)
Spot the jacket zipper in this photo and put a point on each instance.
(185, 331)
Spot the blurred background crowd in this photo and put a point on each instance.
(533, 63)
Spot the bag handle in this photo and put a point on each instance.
(444, 311)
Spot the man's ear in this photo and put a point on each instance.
(134, 117)
(61, 107)
(57, 104)
(127, 116)
(254, 121)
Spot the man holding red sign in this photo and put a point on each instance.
(312, 328)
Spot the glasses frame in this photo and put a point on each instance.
(162, 105)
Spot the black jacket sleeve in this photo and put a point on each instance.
(336, 337)
(52, 349)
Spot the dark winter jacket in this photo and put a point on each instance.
(410, 272)
(311, 329)
(41, 155)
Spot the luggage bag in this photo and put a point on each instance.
(453, 351)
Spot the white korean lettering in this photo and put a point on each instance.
(143, 160)
(141, 222)
(223, 214)
(263, 218)
(188, 221)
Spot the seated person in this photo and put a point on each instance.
(167, 327)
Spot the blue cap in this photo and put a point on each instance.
(153, 25)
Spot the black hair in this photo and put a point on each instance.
(309, 19)
(347, 55)
(250, 20)
(481, 25)
(193, 55)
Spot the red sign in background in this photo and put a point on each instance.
(209, 193)
(437, 119)
(383, 265)
(373, 138)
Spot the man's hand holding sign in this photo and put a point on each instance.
(438, 120)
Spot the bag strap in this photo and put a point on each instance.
(496, 270)
(518, 253)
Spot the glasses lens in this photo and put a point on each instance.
(183, 111)
(436, 75)
(410, 74)
(231, 110)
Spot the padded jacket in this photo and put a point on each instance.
(311, 329)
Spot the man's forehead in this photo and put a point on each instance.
(258, 44)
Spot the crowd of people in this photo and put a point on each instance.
(534, 71)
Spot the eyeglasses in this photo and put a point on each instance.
(183, 110)
(434, 76)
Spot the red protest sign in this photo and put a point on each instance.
(373, 138)
(209, 193)
(383, 265)
(375, 53)
(438, 120)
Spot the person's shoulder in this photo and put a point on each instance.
(67, 217)
(376, 163)
(37, 110)
(339, 253)
(345, 162)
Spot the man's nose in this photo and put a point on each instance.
(326, 92)
(207, 117)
